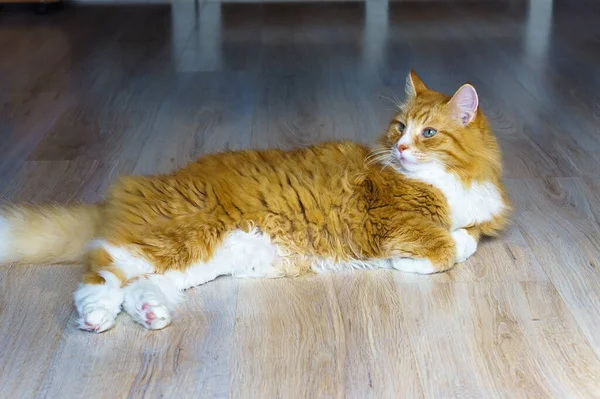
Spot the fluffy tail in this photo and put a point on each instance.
(46, 234)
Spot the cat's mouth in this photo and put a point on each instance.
(403, 160)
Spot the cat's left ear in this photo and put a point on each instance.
(464, 103)
(414, 84)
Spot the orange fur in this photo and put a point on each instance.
(46, 233)
(333, 200)
(469, 151)
(179, 219)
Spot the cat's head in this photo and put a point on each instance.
(433, 132)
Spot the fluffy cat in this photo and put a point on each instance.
(418, 202)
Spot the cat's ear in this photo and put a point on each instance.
(414, 84)
(464, 103)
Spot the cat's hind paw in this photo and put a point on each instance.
(146, 304)
(156, 316)
(98, 304)
(97, 320)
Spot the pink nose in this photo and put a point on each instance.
(402, 147)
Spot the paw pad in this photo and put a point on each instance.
(155, 316)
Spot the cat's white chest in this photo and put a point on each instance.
(468, 205)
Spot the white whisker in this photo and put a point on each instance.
(390, 160)
(398, 101)
(379, 159)
(376, 155)
(389, 99)
(377, 152)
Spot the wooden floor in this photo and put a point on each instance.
(92, 92)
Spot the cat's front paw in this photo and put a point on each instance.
(413, 265)
(146, 304)
(466, 245)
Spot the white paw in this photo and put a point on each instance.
(413, 265)
(96, 320)
(146, 304)
(153, 315)
(98, 304)
(465, 245)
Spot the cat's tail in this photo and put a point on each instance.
(46, 234)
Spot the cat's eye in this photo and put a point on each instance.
(429, 132)
(401, 127)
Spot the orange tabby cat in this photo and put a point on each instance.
(418, 203)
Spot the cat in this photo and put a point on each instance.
(418, 201)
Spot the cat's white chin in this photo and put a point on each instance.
(407, 165)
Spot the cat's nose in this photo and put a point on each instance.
(402, 147)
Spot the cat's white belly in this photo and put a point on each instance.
(242, 254)
(254, 255)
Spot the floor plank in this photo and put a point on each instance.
(190, 360)
(276, 320)
(513, 337)
(377, 346)
(556, 220)
(31, 331)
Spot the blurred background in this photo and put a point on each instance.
(144, 87)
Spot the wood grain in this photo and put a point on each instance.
(510, 336)
(92, 92)
(376, 341)
(191, 359)
(278, 320)
(556, 220)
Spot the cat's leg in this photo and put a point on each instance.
(466, 243)
(423, 248)
(99, 296)
(467, 239)
(151, 299)
(98, 301)
(176, 250)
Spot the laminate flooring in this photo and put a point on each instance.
(94, 91)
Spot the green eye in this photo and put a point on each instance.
(429, 132)
(401, 127)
